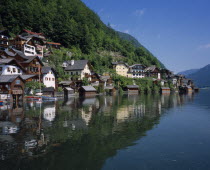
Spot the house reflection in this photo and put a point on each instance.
(34, 127)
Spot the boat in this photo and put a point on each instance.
(1, 103)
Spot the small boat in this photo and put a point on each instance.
(1, 103)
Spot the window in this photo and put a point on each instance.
(46, 78)
(0, 68)
(14, 70)
(53, 79)
(49, 79)
(8, 69)
(76, 73)
(71, 73)
(18, 70)
(17, 82)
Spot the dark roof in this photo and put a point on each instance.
(25, 77)
(48, 89)
(78, 65)
(88, 88)
(65, 82)
(132, 86)
(120, 62)
(9, 53)
(151, 68)
(20, 53)
(138, 65)
(46, 70)
(31, 58)
(6, 60)
(8, 78)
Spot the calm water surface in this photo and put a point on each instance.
(108, 132)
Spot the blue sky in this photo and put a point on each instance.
(177, 32)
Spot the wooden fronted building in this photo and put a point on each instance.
(87, 91)
(12, 85)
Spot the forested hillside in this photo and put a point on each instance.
(72, 24)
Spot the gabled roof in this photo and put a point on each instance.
(151, 68)
(20, 53)
(6, 60)
(132, 86)
(46, 70)
(10, 61)
(8, 78)
(120, 62)
(31, 58)
(137, 65)
(78, 65)
(9, 53)
(25, 77)
(65, 82)
(88, 88)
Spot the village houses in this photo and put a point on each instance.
(78, 69)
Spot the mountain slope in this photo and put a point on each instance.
(130, 38)
(188, 72)
(201, 77)
(71, 23)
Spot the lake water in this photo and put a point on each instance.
(108, 132)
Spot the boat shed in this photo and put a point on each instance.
(87, 91)
(132, 89)
(68, 92)
(49, 91)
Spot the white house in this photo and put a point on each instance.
(48, 76)
(10, 66)
(137, 71)
(79, 68)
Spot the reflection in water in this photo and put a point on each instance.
(80, 133)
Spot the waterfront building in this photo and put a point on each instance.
(78, 69)
(153, 71)
(87, 91)
(121, 68)
(48, 77)
(136, 71)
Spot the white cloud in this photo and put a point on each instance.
(140, 12)
(206, 46)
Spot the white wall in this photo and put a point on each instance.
(13, 70)
(49, 79)
(29, 50)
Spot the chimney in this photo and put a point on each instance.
(72, 62)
